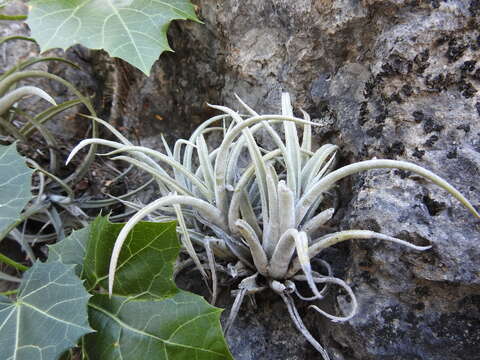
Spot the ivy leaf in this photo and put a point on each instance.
(183, 326)
(134, 30)
(70, 251)
(90, 250)
(148, 316)
(15, 183)
(40, 324)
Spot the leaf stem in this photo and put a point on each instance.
(12, 17)
(9, 292)
(5, 259)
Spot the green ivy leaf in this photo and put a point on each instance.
(90, 250)
(134, 30)
(146, 261)
(70, 251)
(15, 183)
(48, 317)
(147, 317)
(180, 327)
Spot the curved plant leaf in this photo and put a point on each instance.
(134, 30)
(147, 317)
(15, 183)
(40, 324)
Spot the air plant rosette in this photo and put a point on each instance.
(54, 203)
(261, 221)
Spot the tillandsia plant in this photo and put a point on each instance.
(54, 205)
(259, 223)
(55, 190)
(18, 125)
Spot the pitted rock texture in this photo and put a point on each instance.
(386, 78)
(412, 305)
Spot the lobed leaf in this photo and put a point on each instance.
(147, 316)
(71, 250)
(40, 324)
(183, 326)
(15, 183)
(134, 30)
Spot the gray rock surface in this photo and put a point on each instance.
(386, 78)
